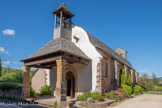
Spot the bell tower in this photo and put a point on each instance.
(63, 25)
(121, 52)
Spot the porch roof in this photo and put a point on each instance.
(54, 50)
(56, 45)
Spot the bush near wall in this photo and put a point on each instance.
(127, 88)
(46, 90)
(137, 89)
(122, 77)
(123, 82)
(32, 92)
(118, 94)
(93, 95)
(129, 81)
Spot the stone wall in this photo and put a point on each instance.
(107, 78)
(38, 80)
(12, 93)
(65, 33)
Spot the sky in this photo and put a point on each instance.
(133, 25)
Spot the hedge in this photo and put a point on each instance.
(122, 77)
(129, 81)
(10, 85)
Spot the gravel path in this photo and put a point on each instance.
(142, 101)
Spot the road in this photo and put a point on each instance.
(4, 103)
(142, 101)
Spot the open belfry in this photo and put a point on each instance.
(75, 62)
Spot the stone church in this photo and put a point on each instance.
(75, 62)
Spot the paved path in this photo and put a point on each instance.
(5, 103)
(142, 101)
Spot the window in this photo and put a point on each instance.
(76, 39)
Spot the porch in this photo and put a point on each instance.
(66, 80)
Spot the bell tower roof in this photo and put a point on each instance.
(67, 14)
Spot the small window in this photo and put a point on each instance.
(122, 55)
(76, 39)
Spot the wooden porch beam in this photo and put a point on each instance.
(43, 61)
(74, 59)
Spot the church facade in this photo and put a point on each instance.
(75, 62)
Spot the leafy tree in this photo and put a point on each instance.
(155, 79)
(8, 69)
(12, 75)
(146, 82)
(0, 68)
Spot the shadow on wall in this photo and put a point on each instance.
(84, 74)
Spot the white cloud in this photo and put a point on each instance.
(6, 62)
(19, 68)
(143, 71)
(2, 50)
(3, 66)
(16, 62)
(9, 32)
(33, 69)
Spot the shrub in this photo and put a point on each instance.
(84, 96)
(106, 95)
(32, 92)
(9, 85)
(127, 88)
(46, 90)
(94, 95)
(158, 88)
(113, 95)
(137, 89)
(118, 94)
(122, 77)
(55, 105)
(129, 82)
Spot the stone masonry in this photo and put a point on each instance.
(60, 90)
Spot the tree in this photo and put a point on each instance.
(0, 67)
(8, 69)
(155, 79)
(145, 82)
(129, 82)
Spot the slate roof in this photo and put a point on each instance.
(59, 44)
(100, 45)
(63, 8)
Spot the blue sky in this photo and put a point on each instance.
(134, 25)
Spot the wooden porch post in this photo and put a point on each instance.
(26, 82)
(60, 90)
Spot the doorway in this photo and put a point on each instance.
(70, 84)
